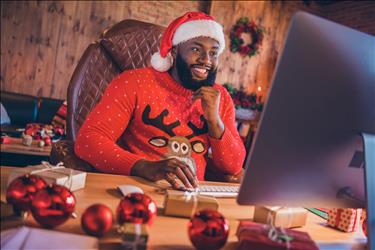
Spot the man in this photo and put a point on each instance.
(167, 116)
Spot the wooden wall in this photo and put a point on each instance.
(42, 41)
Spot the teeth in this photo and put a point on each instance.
(203, 71)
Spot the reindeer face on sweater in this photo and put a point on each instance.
(178, 147)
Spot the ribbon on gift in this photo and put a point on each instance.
(277, 235)
(194, 197)
(49, 167)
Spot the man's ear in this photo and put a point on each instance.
(174, 52)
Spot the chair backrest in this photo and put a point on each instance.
(128, 44)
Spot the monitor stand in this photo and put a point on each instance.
(369, 151)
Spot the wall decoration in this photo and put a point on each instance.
(237, 37)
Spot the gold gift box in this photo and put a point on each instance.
(134, 236)
(185, 204)
(70, 178)
(281, 216)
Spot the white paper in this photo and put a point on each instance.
(34, 238)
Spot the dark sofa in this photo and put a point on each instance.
(23, 109)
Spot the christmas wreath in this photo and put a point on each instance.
(237, 43)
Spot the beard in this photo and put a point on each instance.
(186, 77)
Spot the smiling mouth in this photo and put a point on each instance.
(199, 72)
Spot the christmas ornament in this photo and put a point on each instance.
(27, 140)
(41, 143)
(208, 229)
(53, 205)
(22, 190)
(5, 140)
(136, 208)
(47, 140)
(97, 220)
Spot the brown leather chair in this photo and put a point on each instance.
(127, 45)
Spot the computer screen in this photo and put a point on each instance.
(308, 144)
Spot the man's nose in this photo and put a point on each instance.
(205, 58)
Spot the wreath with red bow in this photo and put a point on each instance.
(237, 43)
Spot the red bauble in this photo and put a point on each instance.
(53, 205)
(208, 229)
(47, 141)
(97, 220)
(136, 208)
(22, 190)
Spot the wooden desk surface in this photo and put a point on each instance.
(16, 147)
(171, 232)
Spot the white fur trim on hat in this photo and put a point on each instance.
(161, 64)
(197, 28)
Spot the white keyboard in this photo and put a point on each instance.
(218, 191)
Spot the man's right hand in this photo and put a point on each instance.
(170, 170)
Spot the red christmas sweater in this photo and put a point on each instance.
(155, 118)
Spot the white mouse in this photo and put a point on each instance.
(127, 189)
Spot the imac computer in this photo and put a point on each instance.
(315, 143)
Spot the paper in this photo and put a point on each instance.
(35, 238)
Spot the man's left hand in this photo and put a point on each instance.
(210, 99)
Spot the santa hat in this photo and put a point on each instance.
(186, 27)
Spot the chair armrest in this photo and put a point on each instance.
(63, 151)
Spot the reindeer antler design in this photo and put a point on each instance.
(198, 131)
(158, 121)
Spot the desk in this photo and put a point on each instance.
(171, 232)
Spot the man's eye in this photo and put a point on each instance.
(195, 49)
(213, 53)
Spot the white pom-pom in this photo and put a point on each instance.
(161, 64)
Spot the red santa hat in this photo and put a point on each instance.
(186, 27)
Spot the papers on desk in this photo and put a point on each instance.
(35, 238)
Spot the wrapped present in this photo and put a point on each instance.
(281, 216)
(344, 219)
(70, 178)
(252, 235)
(185, 204)
(134, 236)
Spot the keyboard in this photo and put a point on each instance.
(219, 191)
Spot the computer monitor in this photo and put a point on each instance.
(308, 147)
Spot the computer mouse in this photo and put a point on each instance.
(127, 189)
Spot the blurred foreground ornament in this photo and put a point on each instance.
(97, 220)
(53, 205)
(136, 208)
(208, 229)
(22, 190)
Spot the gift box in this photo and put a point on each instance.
(70, 178)
(344, 219)
(134, 236)
(185, 204)
(281, 216)
(252, 235)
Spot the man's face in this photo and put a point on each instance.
(196, 62)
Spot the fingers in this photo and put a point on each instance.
(182, 172)
(206, 93)
(172, 179)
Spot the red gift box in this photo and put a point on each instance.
(252, 235)
(344, 219)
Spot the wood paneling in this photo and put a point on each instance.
(274, 16)
(42, 41)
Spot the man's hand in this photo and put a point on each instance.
(210, 99)
(171, 170)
